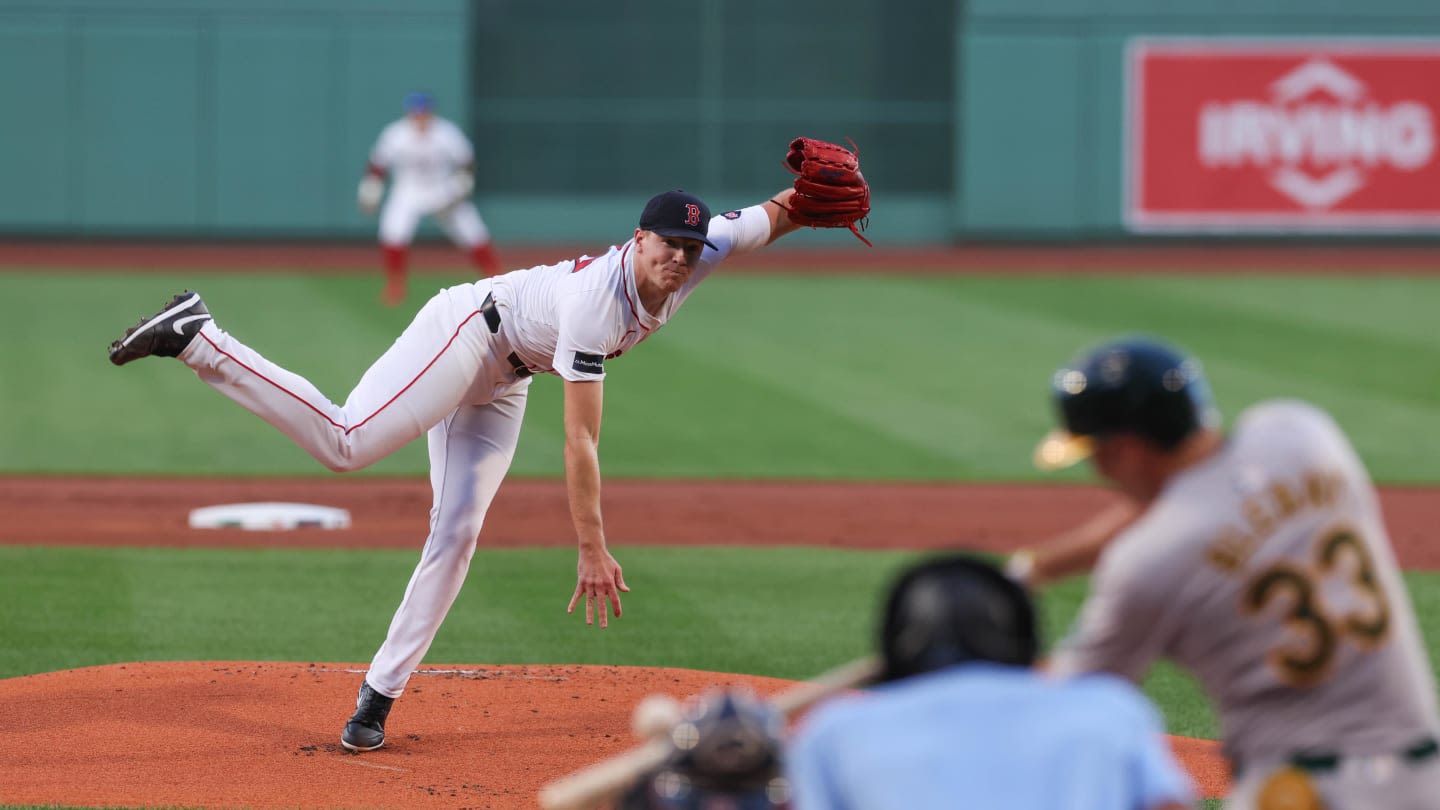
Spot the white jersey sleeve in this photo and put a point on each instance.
(570, 318)
(1107, 637)
(585, 335)
(738, 232)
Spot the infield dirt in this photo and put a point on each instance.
(263, 735)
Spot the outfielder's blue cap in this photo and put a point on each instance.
(418, 102)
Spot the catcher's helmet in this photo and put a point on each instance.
(1135, 385)
(727, 756)
(953, 609)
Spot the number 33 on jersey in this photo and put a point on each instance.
(1325, 598)
(1267, 572)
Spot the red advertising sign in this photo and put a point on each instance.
(1278, 135)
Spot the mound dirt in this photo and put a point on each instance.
(266, 735)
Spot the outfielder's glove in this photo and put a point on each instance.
(830, 191)
(368, 195)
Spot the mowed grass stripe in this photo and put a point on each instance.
(1362, 348)
(788, 612)
(902, 361)
(761, 376)
(81, 414)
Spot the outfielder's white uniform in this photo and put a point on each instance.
(423, 166)
(1267, 572)
(451, 374)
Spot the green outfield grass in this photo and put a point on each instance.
(710, 609)
(759, 376)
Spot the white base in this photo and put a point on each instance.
(269, 517)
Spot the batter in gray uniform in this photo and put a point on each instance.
(1258, 561)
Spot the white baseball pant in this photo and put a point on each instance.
(405, 207)
(446, 375)
(1379, 782)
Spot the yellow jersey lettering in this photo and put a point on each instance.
(1260, 520)
(1263, 513)
(1228, 552)
(1287, 502)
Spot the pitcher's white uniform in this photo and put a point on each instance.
(1266, 571)
(423, 166)
(451, 373)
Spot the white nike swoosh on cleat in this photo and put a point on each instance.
(142, 328)
(182, 321)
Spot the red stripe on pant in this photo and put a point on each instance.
(396, 258)
(483, 257)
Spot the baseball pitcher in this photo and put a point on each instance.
(461, 372)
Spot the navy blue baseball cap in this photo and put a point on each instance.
(418, 102)
(1132, 384)
(676, 213)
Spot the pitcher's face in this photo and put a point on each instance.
(665, 262)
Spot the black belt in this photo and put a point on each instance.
(492, 320)
(1325, 761)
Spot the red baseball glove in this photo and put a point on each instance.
(830, 191)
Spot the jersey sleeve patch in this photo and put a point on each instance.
(731, 215)
(589, 363)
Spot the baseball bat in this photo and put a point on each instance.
(589, 786)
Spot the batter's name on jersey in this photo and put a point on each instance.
(588, 363)
(1265, 510)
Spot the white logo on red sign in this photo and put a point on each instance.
(1317, 135)
(1283, 134)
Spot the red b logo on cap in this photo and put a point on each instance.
(692, 214)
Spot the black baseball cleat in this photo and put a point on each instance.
(165, 334)
(366, 729)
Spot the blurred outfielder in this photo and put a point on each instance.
(431, 166)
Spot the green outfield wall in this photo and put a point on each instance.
(209, 117)
(1041, 95)
(978, 119)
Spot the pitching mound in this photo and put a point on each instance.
(266, 735)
